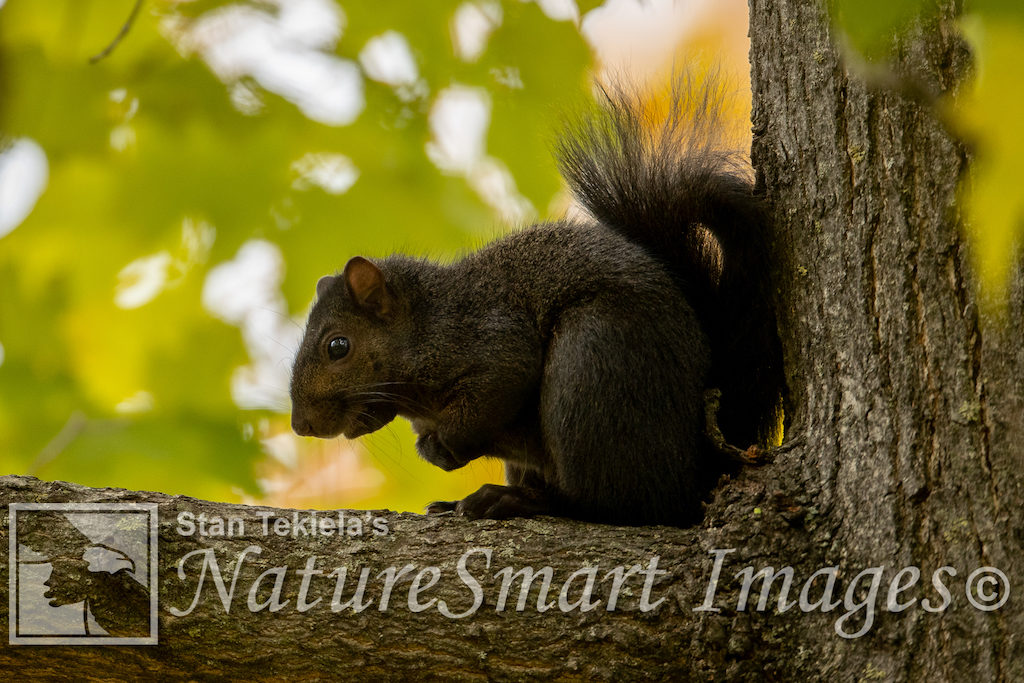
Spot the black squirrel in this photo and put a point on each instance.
(576, 351)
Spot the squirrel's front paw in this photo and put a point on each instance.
(436, 453)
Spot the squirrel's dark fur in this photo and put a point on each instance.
(576, 351)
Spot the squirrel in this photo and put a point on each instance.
(577, 351)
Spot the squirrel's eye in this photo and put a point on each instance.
(337, 348)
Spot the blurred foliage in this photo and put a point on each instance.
(986, 113)
(153, 159)
(991, 113)
(146, 142)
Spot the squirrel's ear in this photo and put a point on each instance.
(323, 284)
(366, 285)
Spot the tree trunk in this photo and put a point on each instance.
(909, 401)
(905, 405)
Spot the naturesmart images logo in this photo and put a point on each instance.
(83, 573)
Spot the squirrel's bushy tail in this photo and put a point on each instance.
(658, 171)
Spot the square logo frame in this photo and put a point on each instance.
(110, 539)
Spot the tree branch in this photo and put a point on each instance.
(649, 626)
(120, 34)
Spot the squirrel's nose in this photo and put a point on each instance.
(301, 425)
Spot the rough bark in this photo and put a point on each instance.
(670, 642)
(910, 400)
(907, 403)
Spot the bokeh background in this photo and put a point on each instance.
(176, 175)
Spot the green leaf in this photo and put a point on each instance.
(990, 112)
(871, 25)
